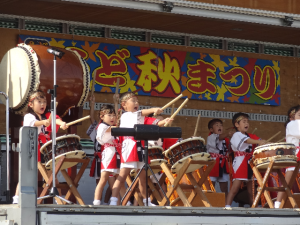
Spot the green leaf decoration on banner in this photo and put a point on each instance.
(188, 58)
(254, 98)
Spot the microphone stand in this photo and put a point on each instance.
(53, 191)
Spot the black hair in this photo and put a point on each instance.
(212, 122)
(237, 115)
(39, 95)
(290, 114)
(109, 107)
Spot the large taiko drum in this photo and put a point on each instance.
(27, 68)
(278, 152)
(66, 145)
(193, 148)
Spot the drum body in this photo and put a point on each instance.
(68, 146)
(26, 68)
(189, 148)
(279, 152)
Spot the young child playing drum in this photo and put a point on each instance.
(292, 136)
(131, 157)
(36, 117)
(241, 144)
(218, 145)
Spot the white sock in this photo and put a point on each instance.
(227, 206)
(15, 199)
(96, 202)
(277, 204)
(149, 202)
(113, 201)
(129, 203)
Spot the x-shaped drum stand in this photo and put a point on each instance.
(275, 166)
(71, 185)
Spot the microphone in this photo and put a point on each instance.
(55, 52)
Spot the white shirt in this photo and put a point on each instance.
(214, 145)
(129, 119)
(103, 136)
(29, 120)
(238, 142)
(293, 132)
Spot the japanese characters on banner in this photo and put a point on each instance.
(167, 73)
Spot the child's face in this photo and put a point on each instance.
(243, 125)
(38, 105)
(110, 118)
(297, 115)
(131, 105)
(217, 128)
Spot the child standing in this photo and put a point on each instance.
(131, 157)
(292, 136)
(109, 156)
(242, 145)
(217, 146)
(36, 117)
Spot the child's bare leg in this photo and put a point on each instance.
(100, 187)
(124, 172)
(16, 197)
(224, 188)
(250, 192)
(142, 184)
(236, 185)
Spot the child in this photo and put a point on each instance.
(217, 146)
(292, 136)
(131, 157)
(36, 117)
(241, 143)
(108, 153)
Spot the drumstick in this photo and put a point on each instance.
(93, 84)
(273, 136)
(77, 121)
(172, 111)
(196, 128)
(117, 92)
(49, 119)
(281, 139)
(170, 103)
(177, 111)
(254, 130)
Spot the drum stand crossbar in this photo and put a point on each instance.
(175, 186)
(286, 187)
(53, 191)
(146, 167)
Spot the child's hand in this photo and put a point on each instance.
(64, 126)
(46, 123)
(263, 142)
(167, 120)
(157, 111)
(116, 98)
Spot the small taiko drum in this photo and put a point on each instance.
(156, 157)
(27, 68)
(193, 148)
(68, 146)
(279, 152)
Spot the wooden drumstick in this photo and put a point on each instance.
(273, 136)
(177, 111)
(117, 92)
(254, 130)
(77, 121)
(93, 84)
(170, 103)
(282, 139)
(196, 128)
(172, 111)
(50, 118)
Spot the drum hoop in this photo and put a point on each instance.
(184, 141)
(86, 78)
(66, 136)
(273, 146)
(35, 72)
(156, 147)
(206, 157)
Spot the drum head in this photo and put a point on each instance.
(20, 74)
(198, 156)
(77, 154)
